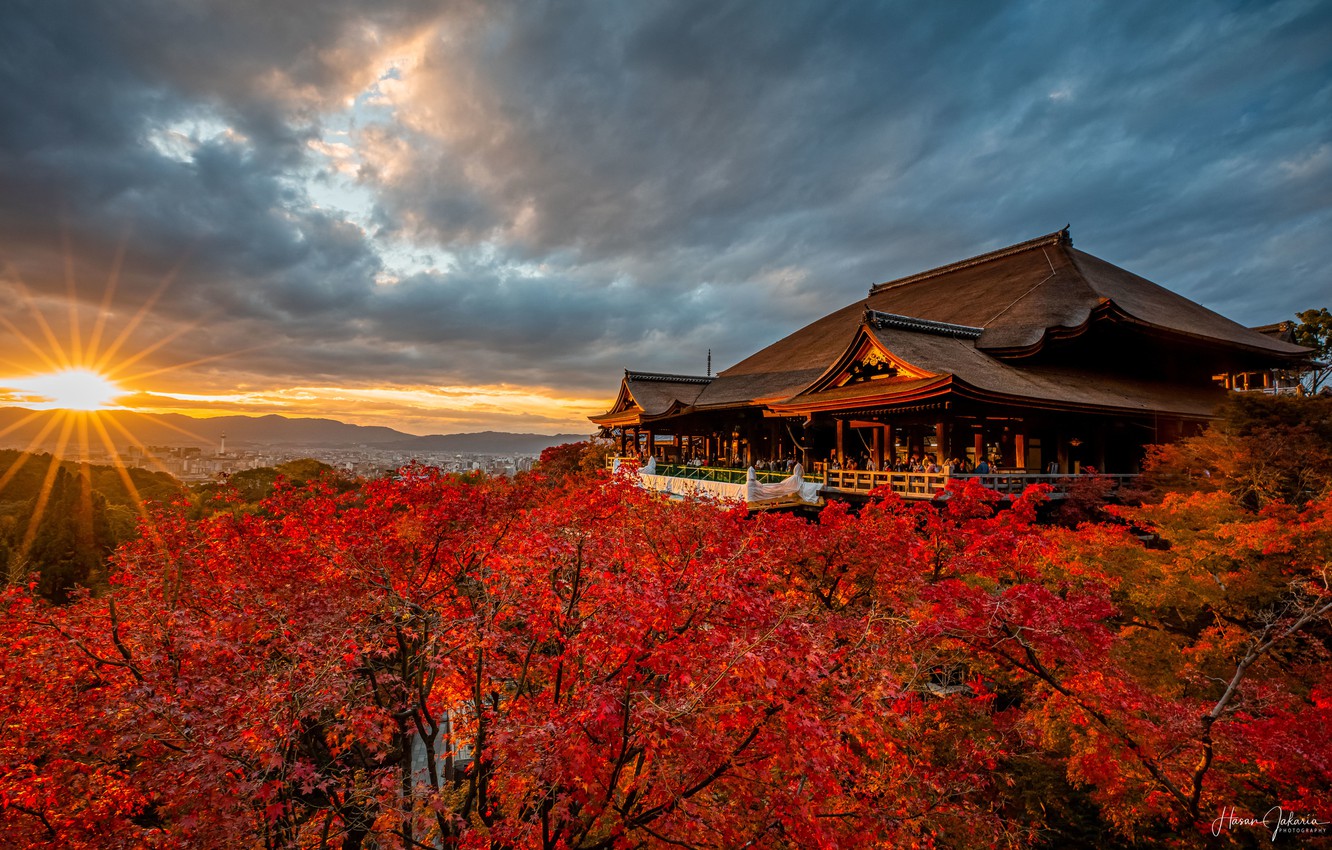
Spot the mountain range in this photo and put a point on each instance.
(21, 428)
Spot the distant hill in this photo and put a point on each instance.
(487, 442)
(20, 427)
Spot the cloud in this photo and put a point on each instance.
(421, 194)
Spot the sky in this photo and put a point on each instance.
(461, 216)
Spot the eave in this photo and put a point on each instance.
(882, 396)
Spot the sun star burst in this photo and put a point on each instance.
(73, 389)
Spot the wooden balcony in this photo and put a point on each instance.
(857, 482)
(925, 485)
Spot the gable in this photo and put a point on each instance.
(867, 360)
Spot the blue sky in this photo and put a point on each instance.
(459, 216)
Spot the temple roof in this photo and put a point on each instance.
(649, 394)
(1010, 301)
(959, 368)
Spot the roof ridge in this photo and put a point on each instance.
(1060, 237)
(662, 376)
(880, 320)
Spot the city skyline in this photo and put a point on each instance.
(472, 217)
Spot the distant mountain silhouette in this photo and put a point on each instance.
(20, 427)
(486, 442)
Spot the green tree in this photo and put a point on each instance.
(72, 538)
(1315, 331)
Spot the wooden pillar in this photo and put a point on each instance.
(1020, 449)
(941, 442)
(651, 443)
(890, 437)
(841, 439)
(638, 441)
(878, 449)
(624, 440)
(978, 443)
(807, 435)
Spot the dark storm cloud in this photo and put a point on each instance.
(600, 185)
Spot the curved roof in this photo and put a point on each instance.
(1016, 296)
(650, 394)
(965, 370)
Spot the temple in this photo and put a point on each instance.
(1036, 358)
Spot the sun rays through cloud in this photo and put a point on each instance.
(73, 383)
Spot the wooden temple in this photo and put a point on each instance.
(1037, 358)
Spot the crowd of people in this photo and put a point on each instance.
(905, 463)
(917, 463)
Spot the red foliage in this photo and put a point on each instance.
(515, 664)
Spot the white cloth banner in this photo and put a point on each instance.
(692, 487)
(750, 491)
(792, 485)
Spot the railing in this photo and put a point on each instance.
(1295, 390)
(917, 485)
(924, 485)
(908, 485)
(724, 474)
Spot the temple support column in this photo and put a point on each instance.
(841, 440)
(878, 449)
(978, 443)
(941, 442)
(890, 437)
(1020, 449)
(805, 458)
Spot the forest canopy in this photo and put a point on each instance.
(566, 661)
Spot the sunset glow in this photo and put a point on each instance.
(71, 389)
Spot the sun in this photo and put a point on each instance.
(71, 389)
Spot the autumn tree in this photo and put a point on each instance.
(587, 457)
(1262, 449)
(428, 661)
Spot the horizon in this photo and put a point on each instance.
(290, 418)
